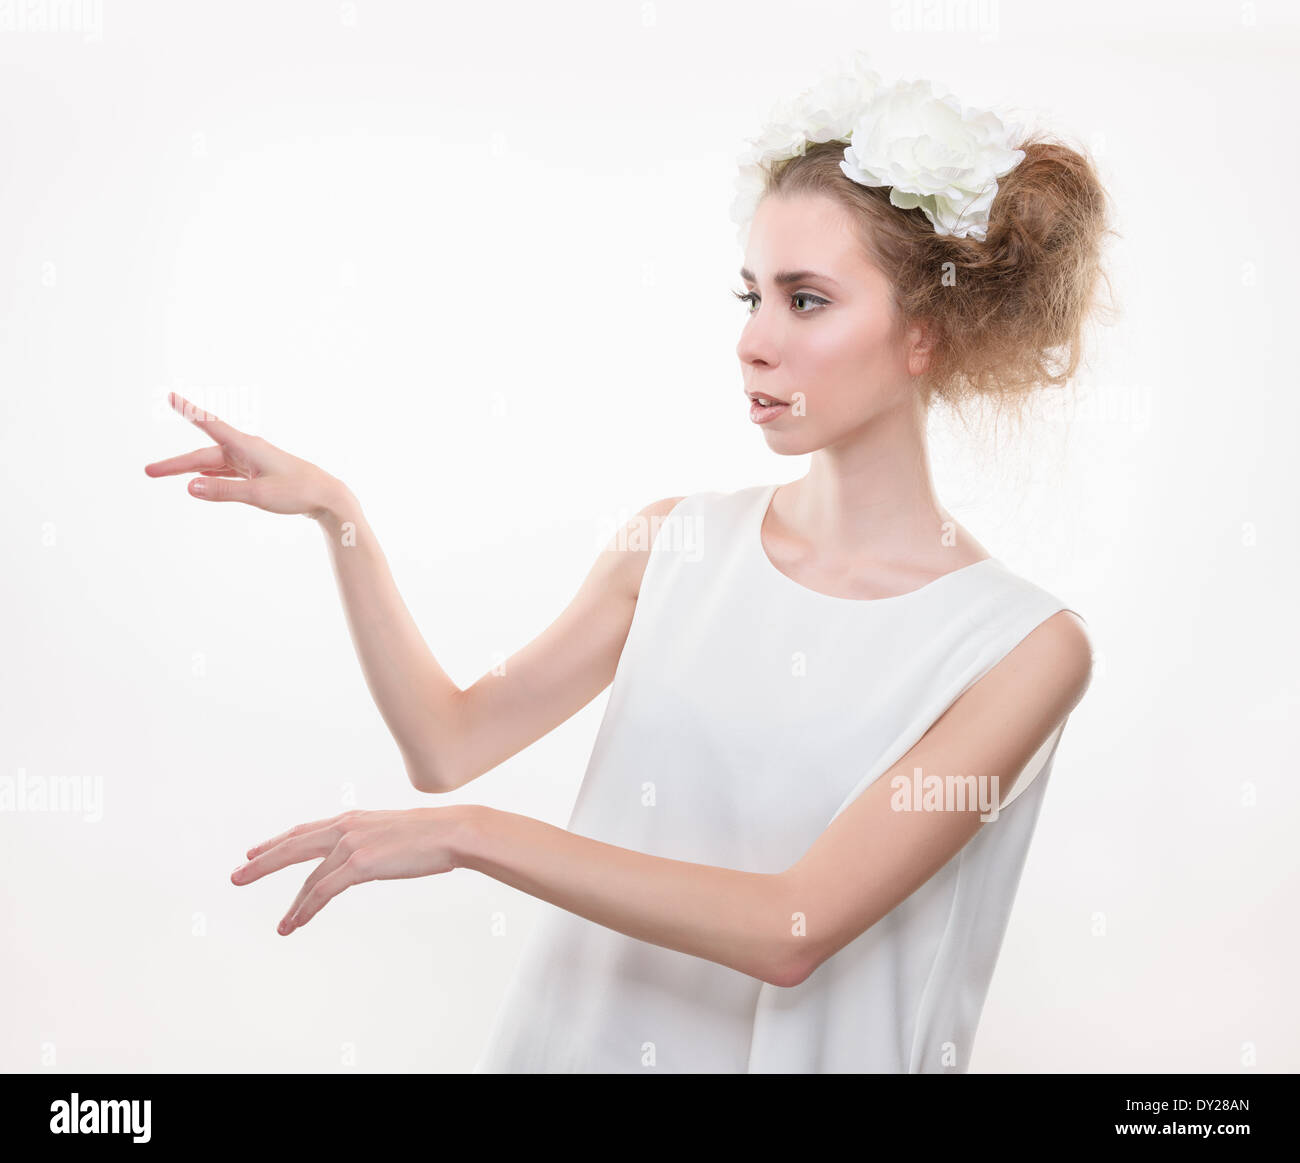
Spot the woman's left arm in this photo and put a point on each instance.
(780, 927)
(777, 927)
(739, 919)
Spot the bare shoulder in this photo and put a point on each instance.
(661, 508)
(631, 545)
(998, 723)
(1053, 662)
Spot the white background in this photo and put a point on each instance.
(475, 260)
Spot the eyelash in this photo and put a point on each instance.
(750, 297)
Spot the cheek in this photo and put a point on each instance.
(846, 353)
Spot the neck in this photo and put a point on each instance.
(871, 496)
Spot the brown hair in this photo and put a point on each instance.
(1008, 314)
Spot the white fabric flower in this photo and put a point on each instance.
(934, 154)
(930, 151)
(826, 112)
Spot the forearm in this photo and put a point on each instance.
(414, 694)
(739, 919)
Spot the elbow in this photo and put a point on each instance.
(789, 970)
(793, 961)
(435, 760)
(419, 778)
(795, 955)
(430, 778)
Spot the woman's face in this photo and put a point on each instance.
(822, 341)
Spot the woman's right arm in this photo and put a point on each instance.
(560, 671)
(447, 736)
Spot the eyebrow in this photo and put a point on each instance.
(785, 278)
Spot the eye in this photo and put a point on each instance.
(810, 298)
(752, 299)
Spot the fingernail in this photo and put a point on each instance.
(199, 486)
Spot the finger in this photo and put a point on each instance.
(350, 872)
(211, 458)
(334, 860)
(222, 488)
(297, 829)
(219, 430)
(307, 846)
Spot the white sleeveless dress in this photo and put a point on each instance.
(755, 710)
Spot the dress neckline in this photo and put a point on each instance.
(755, 536)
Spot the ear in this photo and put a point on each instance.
(921, 338)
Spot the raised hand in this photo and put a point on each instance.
(246, 468)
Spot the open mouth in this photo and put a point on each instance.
(764, 408)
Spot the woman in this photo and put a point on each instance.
(833, 713)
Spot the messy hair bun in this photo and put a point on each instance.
(1007, 313)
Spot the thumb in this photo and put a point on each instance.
(220, 489)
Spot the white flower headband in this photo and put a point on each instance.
(931, 151)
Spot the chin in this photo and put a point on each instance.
(790, 443)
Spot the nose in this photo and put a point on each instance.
(756, 347)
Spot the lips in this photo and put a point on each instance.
(760, 396)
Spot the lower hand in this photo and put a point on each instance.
(357, 846)
(243, 467)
